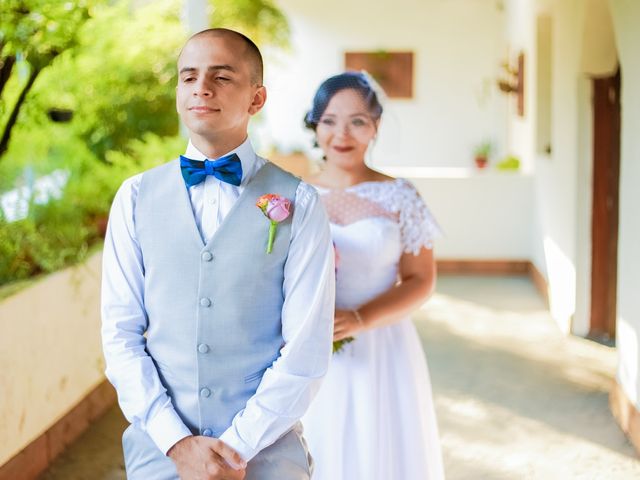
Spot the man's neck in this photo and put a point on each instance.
(216, 148)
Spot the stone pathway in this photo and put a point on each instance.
(515, 399)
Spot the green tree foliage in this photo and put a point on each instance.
(34, 32)
(120, 80)
(258, 19)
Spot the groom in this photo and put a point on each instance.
(215, 346)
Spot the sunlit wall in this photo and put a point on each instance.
(626, 16)
(458, 48)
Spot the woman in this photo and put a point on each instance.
(373, 418)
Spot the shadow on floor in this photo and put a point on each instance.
(96, 455)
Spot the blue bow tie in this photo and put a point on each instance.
(227, 169)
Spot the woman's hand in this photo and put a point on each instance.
(347, 323)
(417, 281)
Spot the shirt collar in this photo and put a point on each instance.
(244, 151)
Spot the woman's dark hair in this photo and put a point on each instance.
(349, 80)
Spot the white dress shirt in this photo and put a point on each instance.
(289, 385)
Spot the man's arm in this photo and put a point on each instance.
(289, 385)
(142, 397)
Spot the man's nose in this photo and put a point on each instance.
(202, 89)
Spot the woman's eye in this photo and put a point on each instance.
(358, 122)
(327, 121)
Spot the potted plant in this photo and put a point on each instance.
(481, 154)
(509, 163)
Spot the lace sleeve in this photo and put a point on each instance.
(418, 228)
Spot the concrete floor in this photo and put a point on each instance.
(515, 399)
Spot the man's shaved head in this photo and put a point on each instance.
(251, 52)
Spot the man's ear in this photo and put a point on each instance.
(258, 101)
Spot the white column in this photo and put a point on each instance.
(196, 16)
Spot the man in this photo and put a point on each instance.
(215, 346)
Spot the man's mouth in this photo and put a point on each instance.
(203, 109)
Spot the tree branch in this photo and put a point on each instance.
(13, 118)
(5, 70)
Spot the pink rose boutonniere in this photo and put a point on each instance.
(276, 209)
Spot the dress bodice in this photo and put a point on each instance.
(373, 224)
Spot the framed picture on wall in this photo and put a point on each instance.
(392, 70)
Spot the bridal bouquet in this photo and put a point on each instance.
(339, 344)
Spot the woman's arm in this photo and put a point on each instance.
(417, 282)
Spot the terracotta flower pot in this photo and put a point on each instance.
(481, 162)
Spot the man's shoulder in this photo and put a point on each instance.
(163, 167)
(131, 185)
(270, 170)
(277, 169)
(305, 193)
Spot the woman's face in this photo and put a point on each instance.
(345, 129)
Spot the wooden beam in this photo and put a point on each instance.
(483, 267)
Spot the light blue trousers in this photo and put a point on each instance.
(287, 459)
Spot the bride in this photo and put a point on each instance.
(373, 418)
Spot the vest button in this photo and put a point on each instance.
(203, 348)
(207, 432)
(205, 392)
(205, 302)
(207, 256)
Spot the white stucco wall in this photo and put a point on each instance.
(483, 216)
(50, 353)
(626, 18)
(458, 47)
(562, 178)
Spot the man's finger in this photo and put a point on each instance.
(232, 457)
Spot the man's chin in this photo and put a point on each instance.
(203, 129)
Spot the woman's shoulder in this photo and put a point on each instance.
(393, 185)
(319, 179)
(381, 177)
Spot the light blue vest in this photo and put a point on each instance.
(214, 309)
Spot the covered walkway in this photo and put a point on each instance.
(515, 398)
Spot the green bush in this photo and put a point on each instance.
(61, 232)
(52, 237)
(509, 163)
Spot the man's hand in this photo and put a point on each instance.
(205, 458)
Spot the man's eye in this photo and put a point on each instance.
(189, 79)
(223, 79)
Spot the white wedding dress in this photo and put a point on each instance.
(373, 418)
